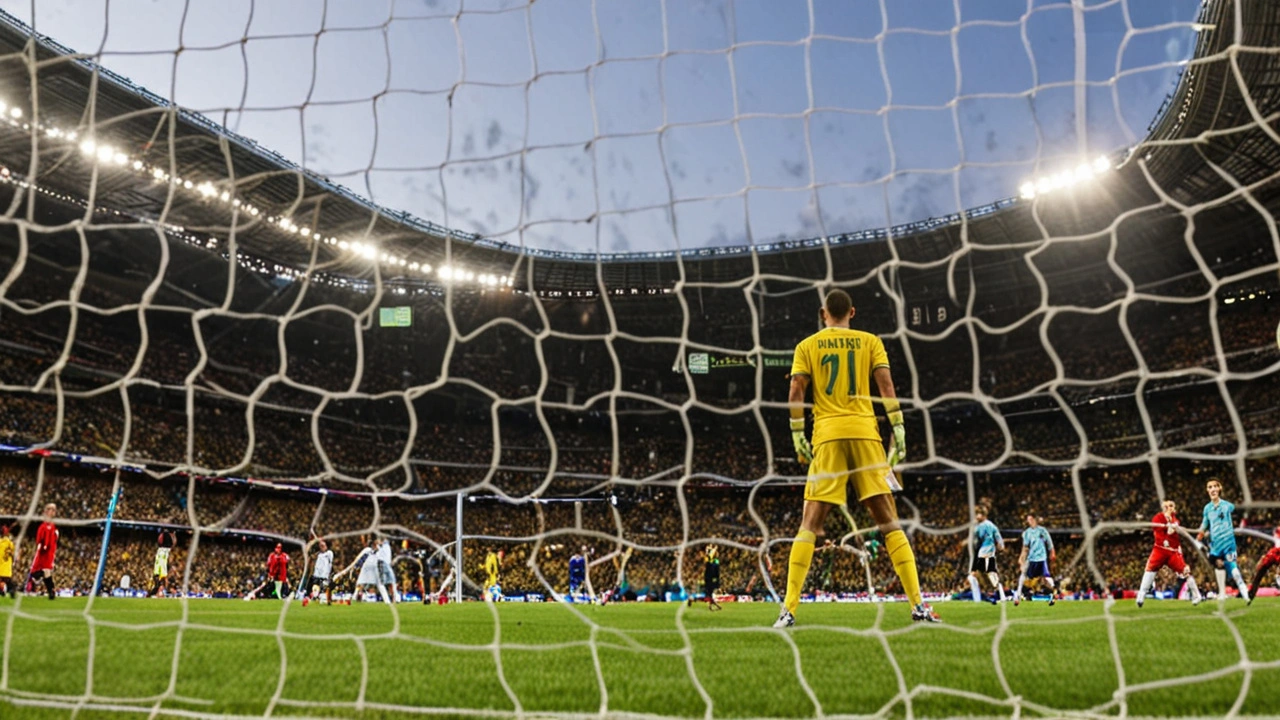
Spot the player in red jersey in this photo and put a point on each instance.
(1167, 551)
(278, 569)
(1271, 558)
(46, 548)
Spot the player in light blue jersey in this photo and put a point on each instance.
(986, 540)
(1037, 553)
(1218, 522)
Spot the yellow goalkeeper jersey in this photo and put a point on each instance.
(6, 557)
(839, 363)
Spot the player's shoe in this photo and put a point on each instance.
(1017, 600)
(1196, 600)
(924, 613)
(1052, 600)
(785, 619)
(1138, 601)
(1249, 600)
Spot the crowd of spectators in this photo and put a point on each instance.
(1082, 417)
(657, 532)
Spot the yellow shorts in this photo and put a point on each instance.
(836, 462)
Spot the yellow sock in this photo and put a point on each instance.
(904, 563)
(798, 568)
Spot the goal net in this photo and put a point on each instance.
(490, 307)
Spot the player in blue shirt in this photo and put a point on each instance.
(577, 572)
(1222, 540)
(986, 539)
(1037, 553)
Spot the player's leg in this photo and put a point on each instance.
(974, 589)
(1260, 572)
(1154, 563)
(1022, 580)
(1234, 570)
(994, 576)
(874, 482)
(884, 511)
(1219, 574)
(1179, 565)
(825, 489)
(46, 577)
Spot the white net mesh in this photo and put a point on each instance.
(577, 358)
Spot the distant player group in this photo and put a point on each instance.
(1217, 521)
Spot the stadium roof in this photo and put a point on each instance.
(145, 158)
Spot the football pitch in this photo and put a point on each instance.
(166, 658)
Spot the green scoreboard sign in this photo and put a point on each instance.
(395, 316)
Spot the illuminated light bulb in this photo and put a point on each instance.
(343, 244)
(305, 232)
(413, 266)
(471, 276)
(235, 203)
(369, 252)
(425, 268)
(225, 196)
(1102, 164)
(72, 135)
(137, 164)
(120, 158)
(15, 112)
(253, 210)
(1028, 190)
(106, 152)
(188, 184)
(88, 147)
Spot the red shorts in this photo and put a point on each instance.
(1164, 556)
(1271, 558)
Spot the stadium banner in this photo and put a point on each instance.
(395, 316)
(702, 363)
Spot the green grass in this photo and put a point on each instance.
(661, 659)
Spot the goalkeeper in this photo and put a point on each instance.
(840, 363)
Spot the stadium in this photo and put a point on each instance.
(198, 336)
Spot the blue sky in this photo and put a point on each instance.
(680, 124)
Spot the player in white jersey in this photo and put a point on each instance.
(986, 540)
(320, 574)
(386, 574)
(366, 564)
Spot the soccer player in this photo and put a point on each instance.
(1222, 540)
(1167, 551)
(840, 363)
(278, 569)
(711, 576)
(386, 574)
(1037, 553)
(987, 538)
(492, 590)
(160, 576)
(6, 561)
(1269, 560)
(366, 563)
(577, 571)
(46, 549)
(320, 572)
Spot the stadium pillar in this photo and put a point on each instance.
(106, 539)
(457, 552)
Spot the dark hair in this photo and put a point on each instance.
(838, 304)
(980, 510)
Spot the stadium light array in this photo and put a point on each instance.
(106, 154)
(1067, 178)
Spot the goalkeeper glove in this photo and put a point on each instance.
(804, 452)
(899, 451)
